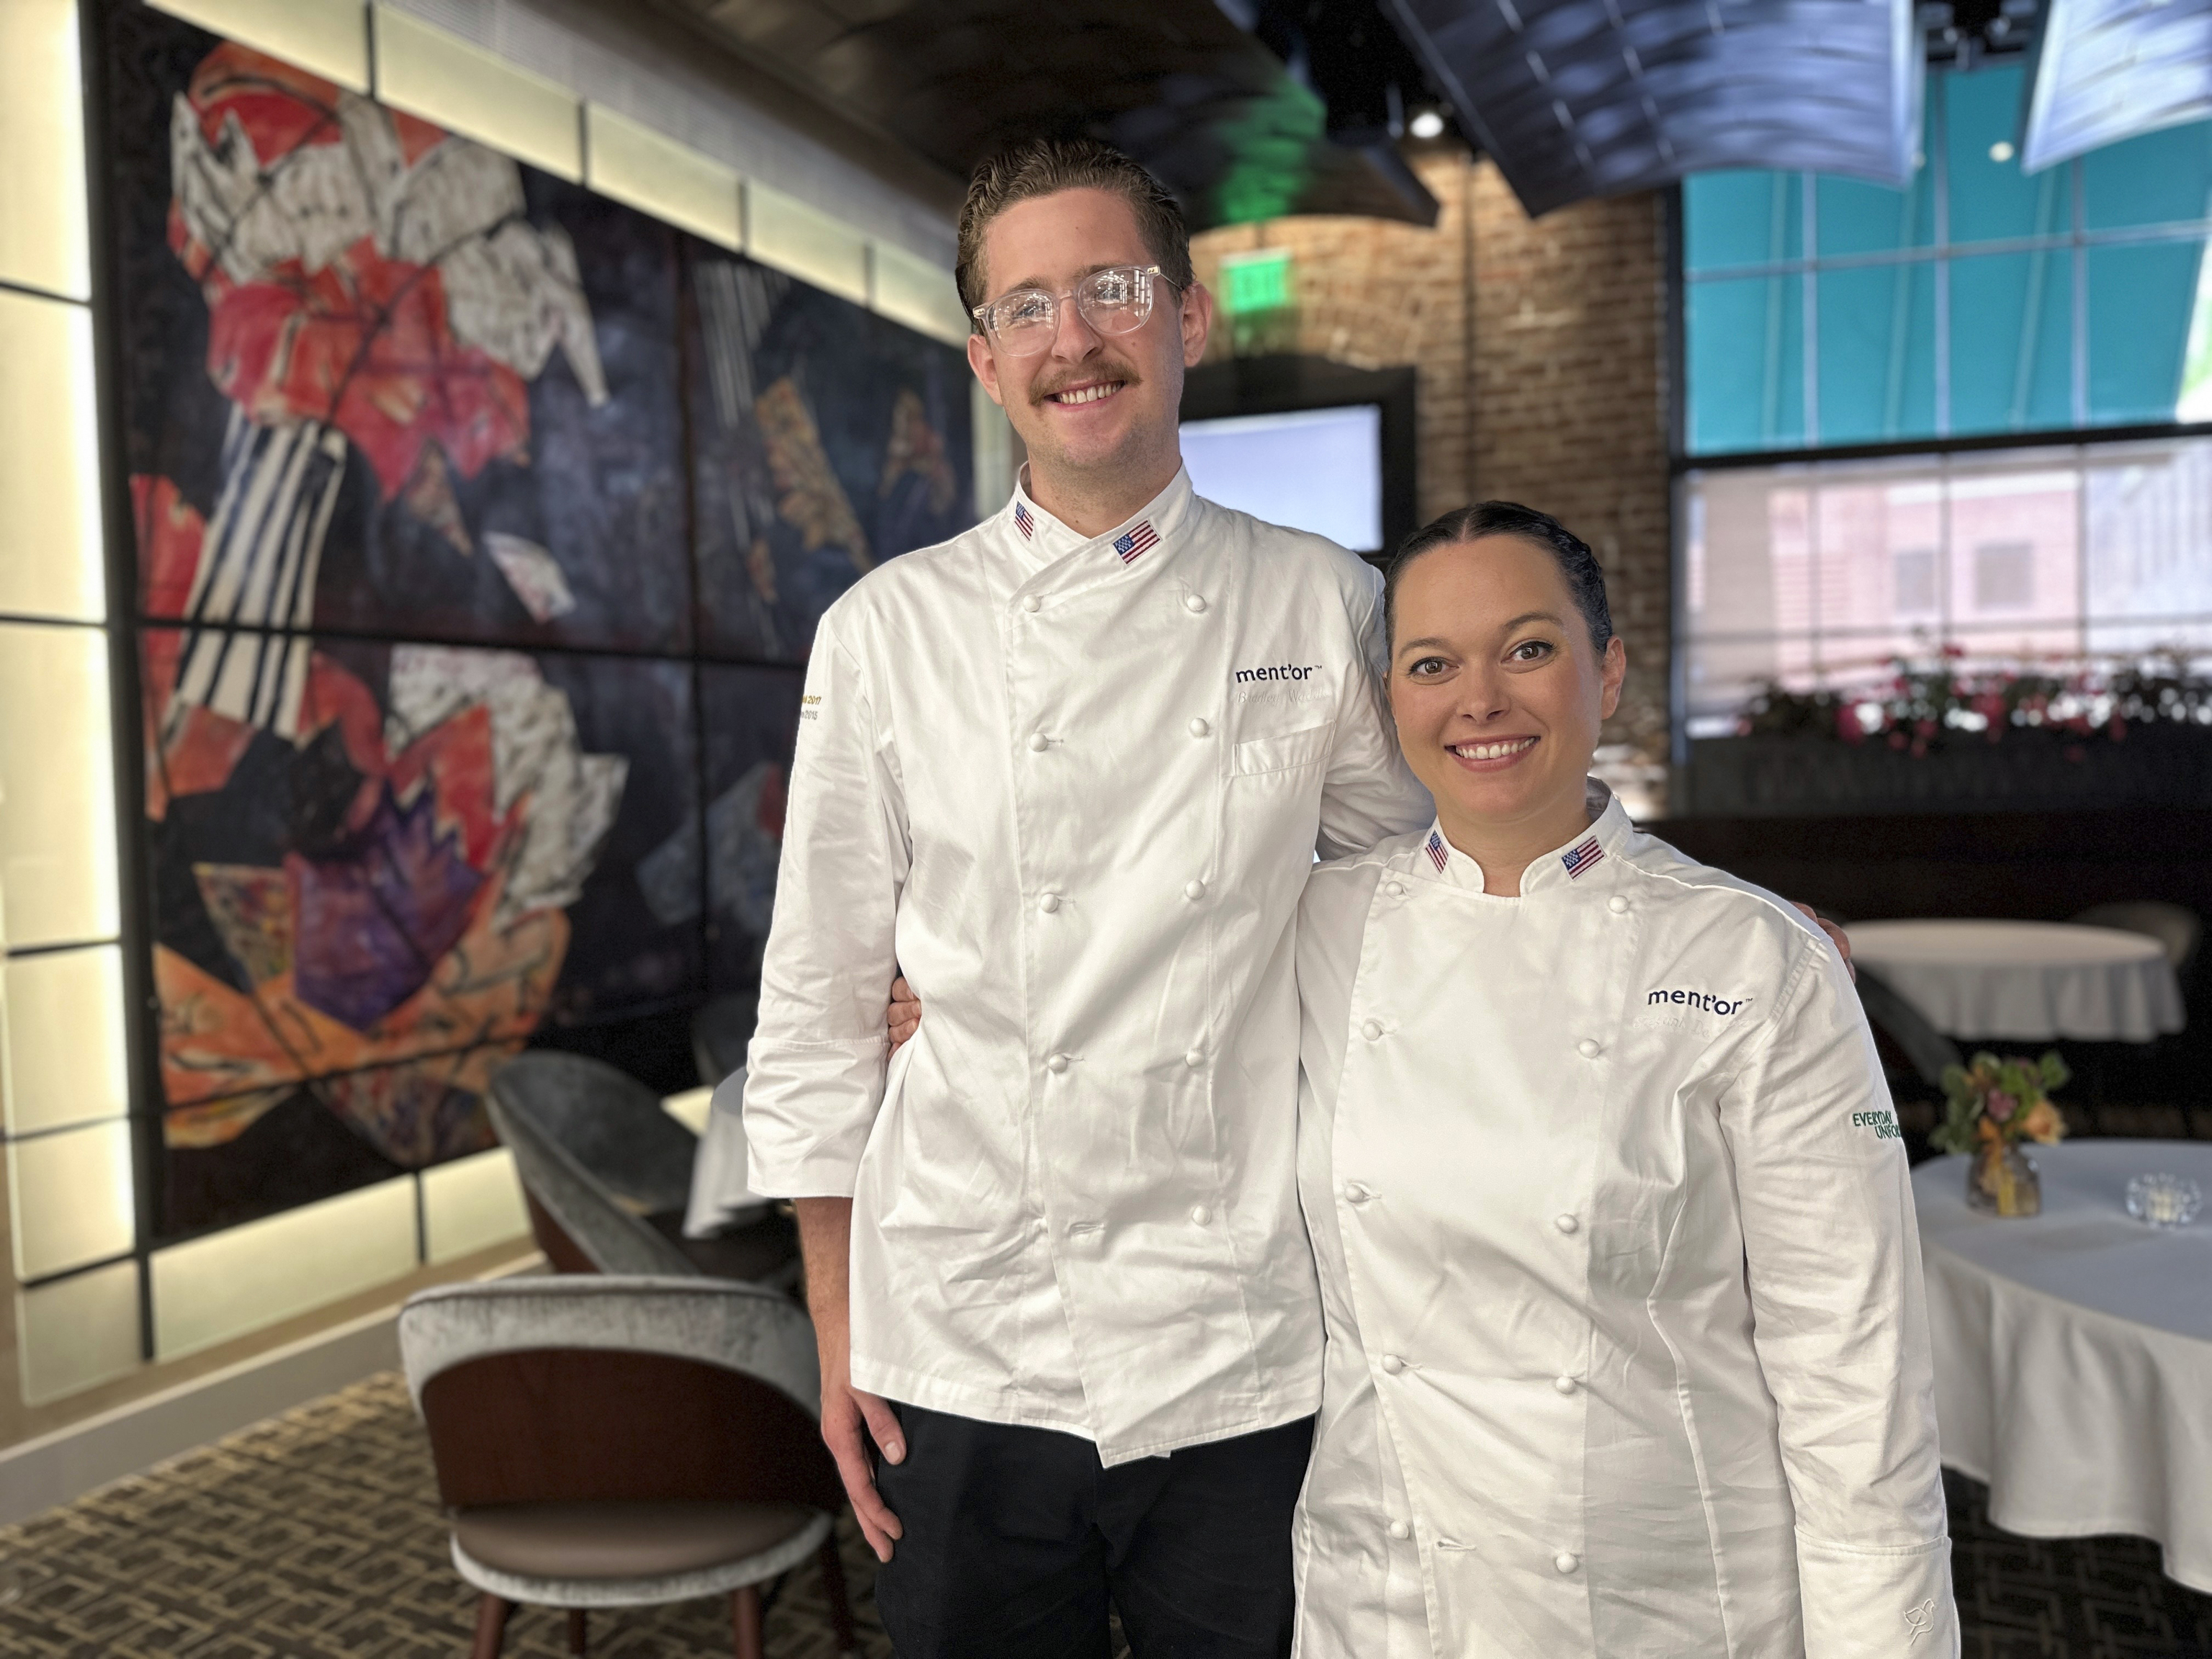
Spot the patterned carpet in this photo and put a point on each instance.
(318, 1533)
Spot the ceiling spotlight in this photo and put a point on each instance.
(2001, 151)
(1427, 124)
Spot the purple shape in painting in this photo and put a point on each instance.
(371, 923)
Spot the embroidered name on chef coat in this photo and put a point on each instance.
(1705, 1000)
(810, 708)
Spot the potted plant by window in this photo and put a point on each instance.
(1992, 1106)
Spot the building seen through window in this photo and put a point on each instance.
(1908, 329)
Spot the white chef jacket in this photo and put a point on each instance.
(1627, 1349)
(1072, 787)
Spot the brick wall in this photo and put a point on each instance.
(1552, 394)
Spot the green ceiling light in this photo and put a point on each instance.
(1256, 282)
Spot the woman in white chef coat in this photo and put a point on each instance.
(1627, 1346)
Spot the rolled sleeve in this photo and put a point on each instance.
(1840, 1321)
(816, 1067)
(1370, 794)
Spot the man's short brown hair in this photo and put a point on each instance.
(1045, 167)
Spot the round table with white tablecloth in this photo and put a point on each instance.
(2073, 1350)
(2026, 980)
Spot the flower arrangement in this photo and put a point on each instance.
(1991, 1105)
(1927, 704)
(2006, 1101)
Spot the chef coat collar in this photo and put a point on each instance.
(1569, 864)
(1135, 541)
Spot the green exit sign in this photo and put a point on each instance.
(1255, 282)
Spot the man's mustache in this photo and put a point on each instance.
(1091, 376)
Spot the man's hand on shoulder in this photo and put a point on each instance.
(1836, 937)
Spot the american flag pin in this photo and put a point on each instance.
(1023, 521)
(1135, 541)
(1434, 849)
(1579, 858)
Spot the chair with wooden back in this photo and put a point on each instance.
(606, 1442)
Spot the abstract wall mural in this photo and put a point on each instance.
(481, 526)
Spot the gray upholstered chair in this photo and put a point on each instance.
(2172, 925)
(596, 1156)
(616, 1442)
(607, 1175)
(720, 1032)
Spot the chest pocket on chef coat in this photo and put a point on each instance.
(1284, 753)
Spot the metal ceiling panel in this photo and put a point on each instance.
(1175, 82)
(1578, 98)
(2109, 70)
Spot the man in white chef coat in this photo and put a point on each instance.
(1068, 771)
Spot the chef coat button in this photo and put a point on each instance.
(1039, 743)
(1617, 904)
(1372, 1030)
(1356, 1193)
(1393, 1364)
(1567, 1223)
(1567, 1563)
(1032, 602)
(1587, 1049)
(1194, 889)
(1058, 1063)
(1397, 890)
(1193, 1058)
(1194, 603)
(1400, 1531)
(1201, 1214)
(1198, 729)
(1566, 1384)
(1049, 903)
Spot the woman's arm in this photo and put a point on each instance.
(1840, 1323)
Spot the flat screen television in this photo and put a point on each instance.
(1311, 469)
(1306, 442)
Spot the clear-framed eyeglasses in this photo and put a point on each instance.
(1115, 300)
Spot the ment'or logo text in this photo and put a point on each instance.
(1279, 671)
(1702, 1000)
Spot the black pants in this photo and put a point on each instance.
(1016, 1538)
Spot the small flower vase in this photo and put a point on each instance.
(2003, 1180)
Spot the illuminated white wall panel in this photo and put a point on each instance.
(77, 1331)
(442, 78)
(473, 1204)
(243, 1279)
(330, 37)
(50, 562)
(70, 1194)
(42, 200)
(784, 232)
(57, 872)
(653, 173)
(62, 1037)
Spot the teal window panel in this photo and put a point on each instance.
(1856, 217)
(2160, 178)
(1877, 344)
(2012, 342)
(1991, 199)
(2141, 296)
(1736, 219)
(1747, 364)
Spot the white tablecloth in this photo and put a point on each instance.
(2035, 980)
(719, 1197)
(2073, 1350)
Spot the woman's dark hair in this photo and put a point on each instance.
(1577, 564)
